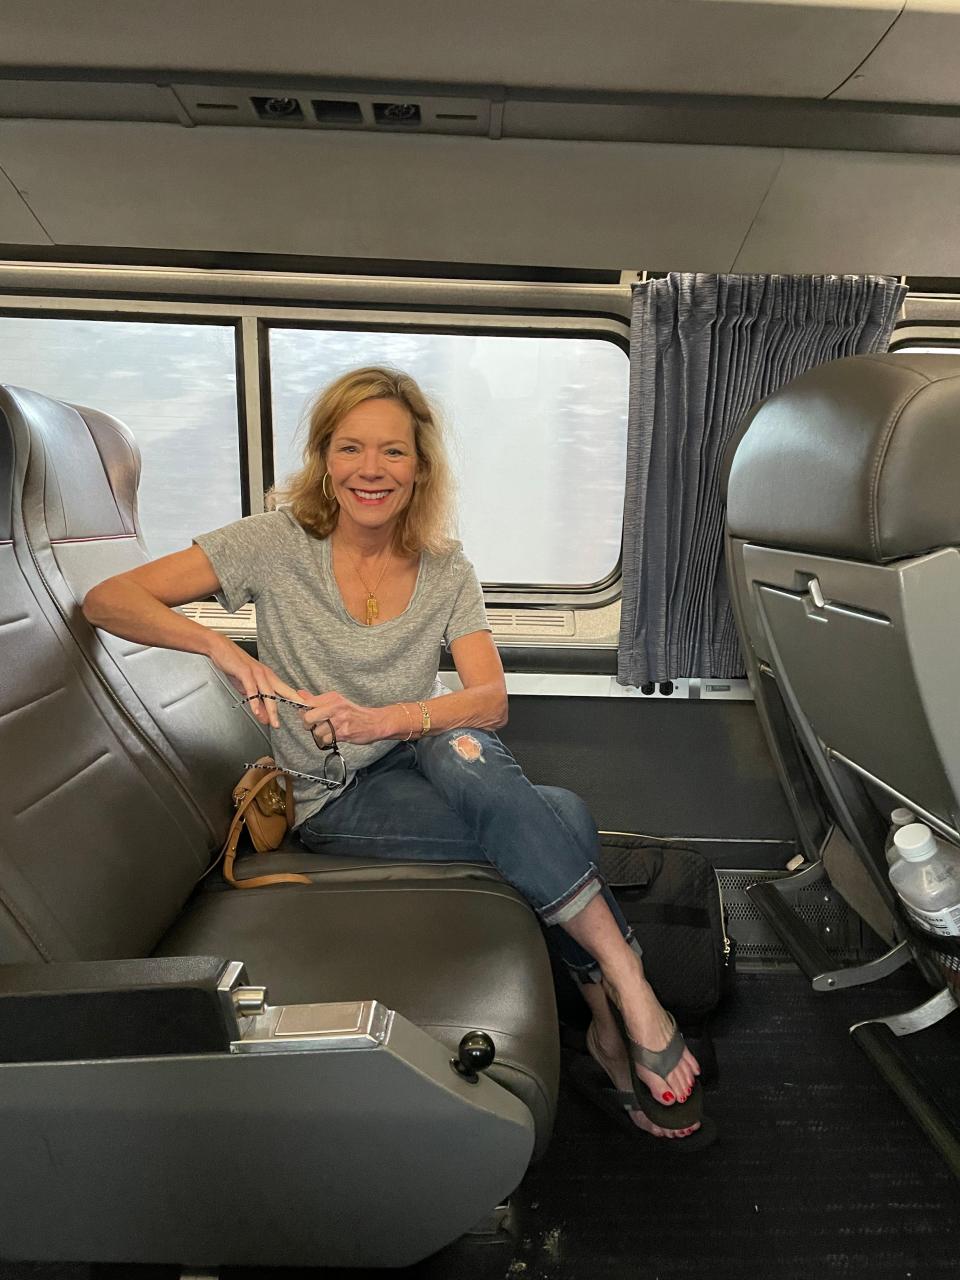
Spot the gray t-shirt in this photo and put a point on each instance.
(306, 635)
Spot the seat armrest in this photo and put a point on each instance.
(80, 1010)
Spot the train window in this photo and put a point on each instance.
(174, 385)
(538, 429)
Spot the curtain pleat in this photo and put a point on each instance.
(703, 350)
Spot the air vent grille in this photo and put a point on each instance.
(242, 624)
(504, 622)
(531, 622)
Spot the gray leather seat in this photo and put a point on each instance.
(124, 759)
(843, 522)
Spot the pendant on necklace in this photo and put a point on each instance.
(373, 609)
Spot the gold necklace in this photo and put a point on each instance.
(373, 608)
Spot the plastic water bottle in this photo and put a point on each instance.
(899, 818)
(927, 879)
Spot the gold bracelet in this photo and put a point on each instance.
(424, 719)
(406, 712)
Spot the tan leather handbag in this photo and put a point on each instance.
(263, 800)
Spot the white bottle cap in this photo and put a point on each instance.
(915, 842)
(902, 817)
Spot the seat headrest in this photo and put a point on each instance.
(859, 458)
(81, 472)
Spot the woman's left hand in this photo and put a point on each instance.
(350, 722)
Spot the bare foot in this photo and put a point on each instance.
(606, 1048)
(648, 1024)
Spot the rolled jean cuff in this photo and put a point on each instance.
(591, 973)
(574, 900)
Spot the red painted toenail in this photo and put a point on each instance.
(668, 1097)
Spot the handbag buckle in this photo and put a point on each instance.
(274, 800)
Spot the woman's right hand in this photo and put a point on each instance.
(250, 677)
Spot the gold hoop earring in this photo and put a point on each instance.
(323, 485)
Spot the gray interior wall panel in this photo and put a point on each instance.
(700, 770)
(18, 224)
(858, 212)
(918, 60)
(730, 46)
(426, 198)
(463, 199)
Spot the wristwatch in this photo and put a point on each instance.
(424, 719)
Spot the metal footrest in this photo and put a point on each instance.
(879, 1040)
(878, 1037)
(773, 899)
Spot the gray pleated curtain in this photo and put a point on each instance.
(703, 349)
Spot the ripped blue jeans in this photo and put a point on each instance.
(459, 796)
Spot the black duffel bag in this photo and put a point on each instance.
(670, 894)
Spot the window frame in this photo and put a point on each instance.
(928, 319)
(254, 302)
(587, 595)
(24, 311)
(944, 336)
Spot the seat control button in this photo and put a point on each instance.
(475, 1053)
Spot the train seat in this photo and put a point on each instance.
(151, 1063)
(182, 704)
(844, 555)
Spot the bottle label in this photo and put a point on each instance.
(945, 923)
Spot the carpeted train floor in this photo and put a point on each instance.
(819, 1172)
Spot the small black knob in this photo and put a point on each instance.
(648, 688)
(666, 688)
(475, 1052)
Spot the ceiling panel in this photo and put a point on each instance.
(670, 46)
(842, 211)
(17, 223)
(918, 61)
(364, 195)
(54, 99)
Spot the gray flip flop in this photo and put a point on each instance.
(590, 1080)
(676, 1115)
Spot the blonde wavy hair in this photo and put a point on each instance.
(426, 523)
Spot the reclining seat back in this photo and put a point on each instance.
(99, 849)
(80, 503)
(844, 520)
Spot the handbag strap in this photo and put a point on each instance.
(229, 850)
(288, 802)
(670, 913)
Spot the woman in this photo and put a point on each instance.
(357, 584)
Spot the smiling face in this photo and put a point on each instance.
(372, 464)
